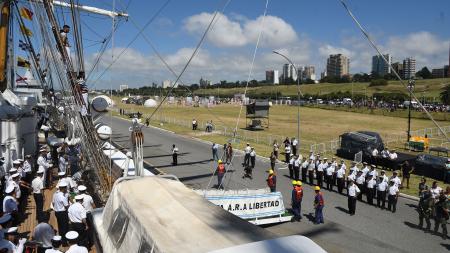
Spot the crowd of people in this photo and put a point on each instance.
(70, 203)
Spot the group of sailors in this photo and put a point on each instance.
(70, 202)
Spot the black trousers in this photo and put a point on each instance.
(340, 184)
(329, 181)
(294, 150)
(381, 199)
(296, 173)
(351, 204)
(392, 203)
(63, 222)
(369, 195)
(311, 177)
(287, 157)
(252, 161)
(304, 172)
(175, 159)
(246, 159)
(320, 178)
(81, 229)
(291, 171)
(39, 200)
(360, 186)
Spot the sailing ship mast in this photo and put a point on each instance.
(4, 30)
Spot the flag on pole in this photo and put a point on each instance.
(24, 46)
(26, 13)
(21, 62)
(21, 79)
(26, 31)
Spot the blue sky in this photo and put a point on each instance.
(305, 30)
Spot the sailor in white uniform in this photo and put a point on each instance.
(88, 202)
(42, 161)
(72, 237)
(56, 243)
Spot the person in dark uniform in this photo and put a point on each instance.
(442, 214)
(174, 155)
(425, 209)
(406, 173)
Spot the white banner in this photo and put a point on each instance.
(249, 204)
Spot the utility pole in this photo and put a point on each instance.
(411, 83)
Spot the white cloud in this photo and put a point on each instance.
(237, 31)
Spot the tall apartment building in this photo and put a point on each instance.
(289, 72)
(379, 66)
(409, 68)
(123, 87)
(309, 72)
(272, 77)
(338, 65)
(398, 67)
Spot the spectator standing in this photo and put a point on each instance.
(215, 151)
(294, 146)
(229, 153)
(247, 151)
(272, 181)
(296, 198)
(174, 155)
(406, 173)
(194, 124)
(423, 187)
(392, 197)
(442, 214)
(252, 158)
(319, 204)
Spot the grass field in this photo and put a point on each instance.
(429, 88)
(317, 125)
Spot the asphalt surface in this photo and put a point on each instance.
(370, 230)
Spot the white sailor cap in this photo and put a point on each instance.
(12, 171)
(41, 167)
(40, 171)
(9, 189)
(5, 218)
(16, 162)
(11, 230)
(20, 160)
(15, 175)
(82, 188)
(43, 150)
(71, 235)
(28, 156)
(79, 197)
(56, 238)
(62, 184)
(62, 173)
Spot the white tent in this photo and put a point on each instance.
(123, 100)
(150, 103)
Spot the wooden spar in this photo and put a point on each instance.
(4, 27)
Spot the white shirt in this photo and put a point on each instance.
(343, 166)
(365, 170)
(17, 189)
(375, 152)
(44, 233)
(393, 156)
(9, 204)
(174, 150)
(297, 163)
(393, 190)
(248, 149)
(253, 153)
(385, 153)
(311, 166)
(382, 186)
(62, 164)
(374, 173)
(27, 166)
(340, 173)
(360, 180)
(322, 167)
(291, 162)
(330, 170)
(77, 249)
(88, 202)
(52, 251)
(385, 178)
(351, 177)
(353, 190)
(305, 164)
(294, 142)
(287, 149)
(76, 213)
(435, 192)
(37, 185)
(371, 183)
(312, 157)
(60, 201)
(396, 181)
(215, 146)
(354, 170)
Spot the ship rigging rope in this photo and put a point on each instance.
(250, 73)
(152, 18)
(369, 38)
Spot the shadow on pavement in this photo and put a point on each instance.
(412, 225)
(344, 210)
(184, 179)
(189, 163)
(446, 245)
(167, 155)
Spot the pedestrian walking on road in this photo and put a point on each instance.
(442, 215)
(296, 198)
(272, 181)
(252, 158)
(319, 204)
(220, 172)
(229, 153)
(174, 155)
(276, 149)
(425, 209)
(247, 151)
(392, 196)
(194, 124)
(273, 160)
(215, 151)
(352, 191)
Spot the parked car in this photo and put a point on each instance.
(430, 166)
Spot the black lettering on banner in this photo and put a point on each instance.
(244, 207)
(277, 203)
(236, 207)
(229, 208)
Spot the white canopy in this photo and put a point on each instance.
(150, 103)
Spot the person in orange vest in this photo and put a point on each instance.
(297, 196)
(318, 205)
(220, 173)
(272, 181)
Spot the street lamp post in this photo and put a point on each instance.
(410, 89)
(298, 95)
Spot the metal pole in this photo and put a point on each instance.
(298, 93)
(410, 87)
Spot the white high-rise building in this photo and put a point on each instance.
(289, 72)
(276, 77)
(123, 87)
(338, 65)
(309, 72)
(166, 84)
(272, 76)
(409, 68)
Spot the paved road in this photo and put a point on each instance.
(370, 230)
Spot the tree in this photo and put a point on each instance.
(424, 73)
(445, 95)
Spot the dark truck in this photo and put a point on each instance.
(431, 166)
